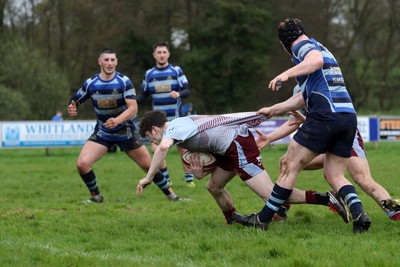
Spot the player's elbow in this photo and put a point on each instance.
(162, 147)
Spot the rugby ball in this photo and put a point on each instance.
(209, 161)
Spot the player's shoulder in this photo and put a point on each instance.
(303, 47)
(150, 71)
(175, 67)
(180, 121)
(122, 76)
(91, 79)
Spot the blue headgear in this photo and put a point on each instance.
(289, 31)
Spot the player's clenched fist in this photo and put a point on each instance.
(72, 110)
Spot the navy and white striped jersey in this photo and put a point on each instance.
(108, 99)
(323, 90)
(159, 83)
(358, 143)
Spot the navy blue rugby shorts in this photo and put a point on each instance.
(328, 132)
(131, 143)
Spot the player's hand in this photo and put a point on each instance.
(196, 166)
(111, 123)
(141, 185)
(298, 118)
(276, 83)
(72, 110)
(262, 140)
(266, 111)
(174, 94)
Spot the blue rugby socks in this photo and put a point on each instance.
(90, 181)
(165, 173)
(189, 177)
(164, 185)
(278, 196)
(350, 197)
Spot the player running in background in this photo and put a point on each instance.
(113, 97)
(167, 85)
(228, 138)
(329, 127)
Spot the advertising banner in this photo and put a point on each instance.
(389, 129)
(75, 133)
(45, 133)
(368, 128)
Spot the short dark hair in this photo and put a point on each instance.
(152, 118)
(107, 51)
(160, 44)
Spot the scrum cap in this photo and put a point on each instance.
(288, 32)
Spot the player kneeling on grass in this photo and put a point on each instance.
(229, 139)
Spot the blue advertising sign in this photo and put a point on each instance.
(45, 133)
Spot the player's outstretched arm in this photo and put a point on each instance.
(159, 155)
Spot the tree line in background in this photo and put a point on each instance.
(228, 49)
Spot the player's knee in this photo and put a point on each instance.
(212, 187)
(283, 164)
(283, 161)
(83, 165)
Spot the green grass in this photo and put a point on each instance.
(44, 223)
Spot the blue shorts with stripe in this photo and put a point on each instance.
(130, 142)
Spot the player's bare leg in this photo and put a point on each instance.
(262, 185)
(141, 156)
(334, 168)
(295, 159)
(90, 153)
(216, 187)
(316, 164)
(358, 169)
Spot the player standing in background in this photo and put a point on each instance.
(167, 85)
(228, 138)
(113, 98)
(329, 127)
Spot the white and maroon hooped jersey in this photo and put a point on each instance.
(211, 133)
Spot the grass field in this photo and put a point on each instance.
(44, 223)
